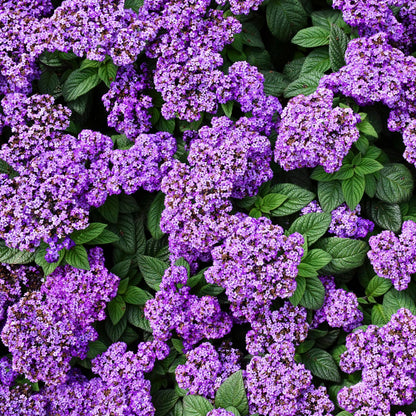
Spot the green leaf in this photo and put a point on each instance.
(114, 332)
(164, 400)
(106, 237)
(325, 18)
(107, 72)
(330, 195)
(154, 214)
(123, 285)
(368, 166)
(272, 201)
(367, 128)
(196, 406)
(353, 190)
(300, 290)
(232, 393)
(251, 35)
(306, 270)
(135, 316)
(314, 295)
(255, 213)
(228, 108)
(210, 289)
(313, 225)
(136, 296)
(285, 18)
(385, 215)
(338, 42)
(394, 300)
(306, 84)
(152, 269)
(87, 234)
(311, 37)
(110, 209)
(233, 410)
(370, 185)
(297, 198)
(78, 257)
(316, 61)
(317, 258)
(395, 183)
(80, 82)
(48, 83)
(379, 316)
(95, 348)
(347, 254)
(128, 204)
(377, 286)
(125, 230)
(13, 256)
(274, 83)
(345, 172)
(133, 4)
(47, 268)
(116, 309)
(322, 365)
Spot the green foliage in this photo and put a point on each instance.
(232, 393)
(321, 364)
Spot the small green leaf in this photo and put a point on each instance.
(379, 316)
(311, 37)
(377, 286)
(330, 195)
(394, 300)
(80, 82)
(338, 42)
(164, 400)
(196, 406)
(367, 128)
(136, 296)
(95, 348)
(317, 258)
(314, 295)
(107, 72)
(385, 215)
(368, 166)
(87, 234)
(228, 108)
(116, 309)
(255, 213)
(322, 365)
(232, 393)
(313, 225)
(78, 257)
(300, 290)
(154, 214)
(152, 269)
(114, 332)
(395, 183)
(272, 201)
(47, 268)
(297, 198)
(353, 190)
(106, 237)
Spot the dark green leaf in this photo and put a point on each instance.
(107, 72)
(313, 225)
(311, 37)
(377, 286)
(306, 84)
(133, 4)
(272, 201)
(385, 215)
(86, 235)
(80, 82)
(325, 18)
(314, 295)
(196, 406)
(128, 204)
(232, 393)
(395, 183)
(95, 348)
(136, 296)
(154, 214)
(13, 256)
(300, 290)
(49, 83)
(110, 209)
(330, 195)
(347, 254)
(317, 258)
(297, 198)
(164, 400)
(379, 316)
(285, 18)
(116, 309)
(105, 237)
(353, 190)
(78, 257)
(152, 269)
(317, 61)
(322, 365)
(125, 230)
(114, 332)
(274, 83)
(135, 316)
(394, 300)
(210, 289)
(338, 42)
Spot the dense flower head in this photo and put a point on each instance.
(288, 323)
(278, 386)
(394, 257)
(313, 133)
(256, 264)
(48, 327)
(378, 72)
(126, 104)
(176, 309)
(242, 6)
(386, 358)
(19, 401)
(219, 412)
(7, 375)
(340, 308)
(206, 369)
(409, 140)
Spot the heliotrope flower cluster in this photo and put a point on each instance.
(340, 308)
(256, 264)
(386, 358)
(345, 223)
(47, 327)
(395, 257)
(278, 386)
(206, 368)
(313, 133)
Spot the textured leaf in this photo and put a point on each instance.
(13, 256)
(80, 82)
(272, 201)
(311, 37)
(387, 216)
(49, 83)
(87, 234)
(314, 295)
(110, 209)
(152, 269)
(347, 254)
(95, 348)
(394, 300)
(78, 257)
(125, 230)
(136, 296)
(105, 237)
(300, 290)
(353, 190)
(232, 393)
(379, 316)
(164, 400)
(313, 225)
(330, 195)
(322, 365)
(285, 18)
(115, 332)
(325, 18)
(377, 286)
(306, 84)
(297, 198)
(317, 258)
(116, 309)
(196, 406)
(154, 214)
(338, 42)
(368, 166)
(317, 61)
(107, 72)
(274, 83)
(395, 183)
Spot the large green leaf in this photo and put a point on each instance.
(13, 256)
(395, 183)
(152, 269)
(116, 309)
(322, 365)
(347, 254)
(78, 257)
(285, 18)
(306, 84)
(353, 190)
(338, 42)
(311, 37)
(297, 198)
(330, 195)
(136, 296)
(154, 214)
(313, 225)
(317, 61)
(87, 234)
(196, 406)
(80, 82)
(394, 300)
(314, 295)
(164, 400)
(385, 215)
(377, 286)
(232, 393)
(299, 292)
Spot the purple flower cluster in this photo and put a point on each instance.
(345, 222)
(395, 257)
(46, 328)
(340, 308)
(313, 133)
(278, 386)
(206, 369)
(256, 264)
(386, 358)
(191, 317)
